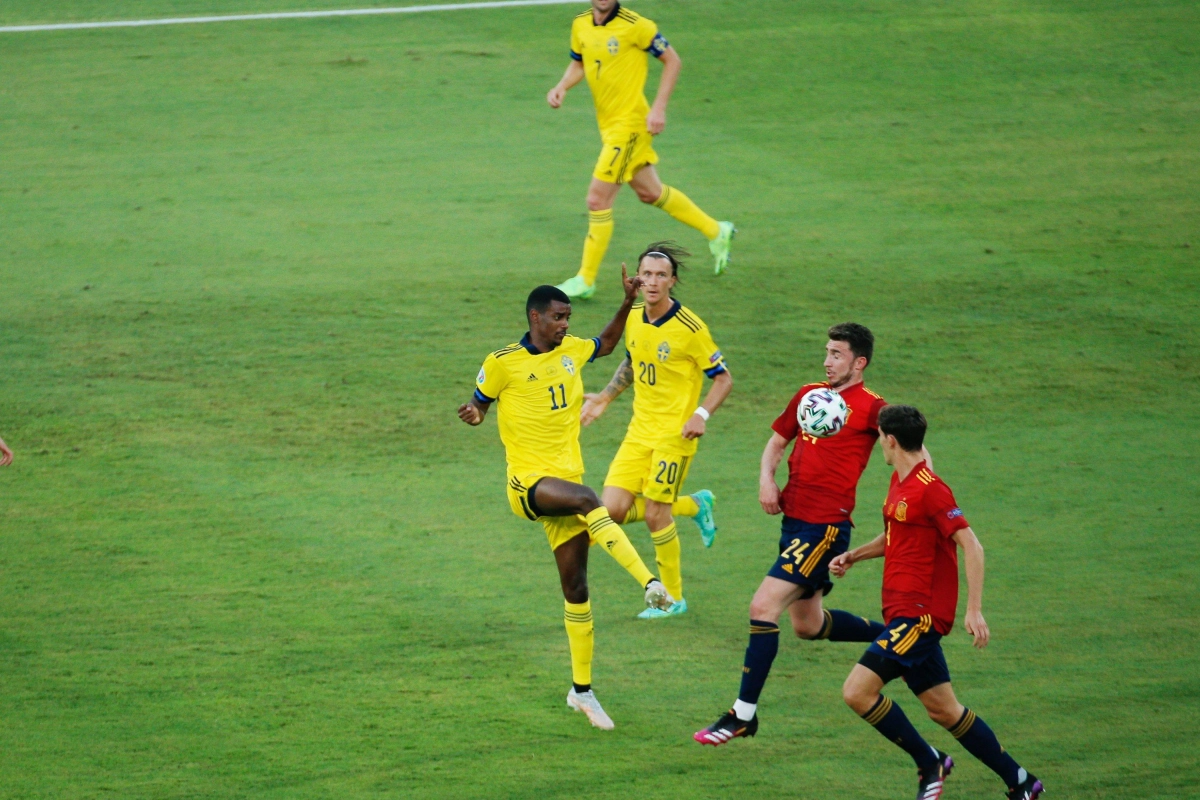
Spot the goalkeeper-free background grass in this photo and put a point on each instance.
(249, 270)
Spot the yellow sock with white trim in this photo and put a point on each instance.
(667, 554)
(609, 534)
(600, 230)
(681, 207)
(578, 619)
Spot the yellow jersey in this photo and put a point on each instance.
(670, 358)
(538, 398)
(614, 59)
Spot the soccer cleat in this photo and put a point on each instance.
(1029, 789)
(704, 518)
(719, 247)
(726, 729)
(590, 706)
(674, 610)
(931, 783)
(657, 595)
(577, 288)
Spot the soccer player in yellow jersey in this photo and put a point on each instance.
(537, 387)
(609, 46)
(669, 351)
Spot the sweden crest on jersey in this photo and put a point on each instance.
(568, 364)
(664, 352)
(613, 45)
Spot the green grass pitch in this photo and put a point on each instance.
(249, 270)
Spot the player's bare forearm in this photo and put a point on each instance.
(768, 490)
(672, 65)
(472, 412)
(973, 561)
(615, 329)
(622, 379)
(872, 549)
(570, 78)
(722, 386)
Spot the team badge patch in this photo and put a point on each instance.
(613, 45)
(715, 357)
(954, 513)
(568, 365)
(901, 511)
(664, 351)
(482, 376)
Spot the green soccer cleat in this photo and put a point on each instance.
(673, 610)
(704, 517)
(719, 246)
(577, 288)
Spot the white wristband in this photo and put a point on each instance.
(703, 412)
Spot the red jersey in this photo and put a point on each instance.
(823, 473)
(920, 559)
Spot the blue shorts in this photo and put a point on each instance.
(909, 648)
(805, 550)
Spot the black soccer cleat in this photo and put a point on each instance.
(932, 781)
(1029, 789)
(726, 729)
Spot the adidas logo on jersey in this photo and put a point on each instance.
(531, 377)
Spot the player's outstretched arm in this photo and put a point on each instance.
(768, 490)
(697, 424)
(975, 624)
(570, 78)
(473, 411)
(594, 404)
(656, 120)
(5, 454)
(614, 330)
(872, 549)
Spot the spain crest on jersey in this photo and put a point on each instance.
(568, 364)
(664, 352)
(901, 511)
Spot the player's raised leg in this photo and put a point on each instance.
(556, 497)
(978, 739)
(653, 191)
(699, 506)
(600, 198)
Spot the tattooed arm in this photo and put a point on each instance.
(594, 404)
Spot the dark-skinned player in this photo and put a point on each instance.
(537, 386)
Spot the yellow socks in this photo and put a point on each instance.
(600, 229)
(578, 619)
(680, 206)
(666, 553)
(637, 511)
(683, 507)
(607, 533)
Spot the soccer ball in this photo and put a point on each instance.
(822, 413)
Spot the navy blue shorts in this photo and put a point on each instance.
(909, 648)
(805, 550)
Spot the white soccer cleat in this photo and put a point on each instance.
(657, 595)
(589, 705)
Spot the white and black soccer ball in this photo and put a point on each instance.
(822, 412)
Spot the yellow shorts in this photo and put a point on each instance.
(559, 530)
(622, 155)
(655, 474)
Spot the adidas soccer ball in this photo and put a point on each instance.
(822, 413)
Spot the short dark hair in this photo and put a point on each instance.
(906, 423)
(669, 250)
(541, 298)
(859, 337)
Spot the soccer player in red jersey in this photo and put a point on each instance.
(816, 504)
(922, 526)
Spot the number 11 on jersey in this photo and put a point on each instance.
(555, 402)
